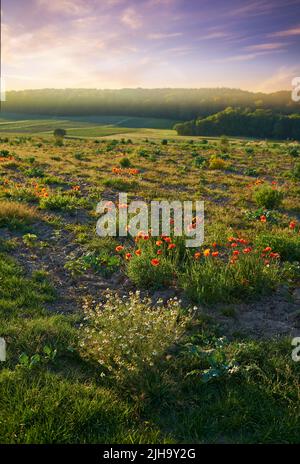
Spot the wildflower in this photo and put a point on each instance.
(159, 252)
(236, 252)
(215, 254)
(128, 256)
(119, 248)
(243, 241)
(206, 252)
(292, 225)
(214, 245)
(267, 249)
(159, 243)
(263, 218)
(171, 246)
(167, 239)
(275, 255)
(197, 255)
(247, 250)
(155, 262)
(234, 245)
(138, 252)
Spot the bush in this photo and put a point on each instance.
(199, 161)
(268, 197)
(217, 163)
(4, 153)
(128, 335)
(293, 151)
(125, 163)
(34, 172)
(296, 171)
(59, 134)
(60, 202)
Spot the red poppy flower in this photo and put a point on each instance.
(171, 246)
(247, 250)
(155, 262)
(275, 255)
(197, 255)
(138, 252)
(215, 254)
(119, 248)
(263, 218)
(292, 225)
(128, 256)
(267, 249)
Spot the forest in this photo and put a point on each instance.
(246, 123)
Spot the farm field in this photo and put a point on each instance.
(122, 340)
(85, 127)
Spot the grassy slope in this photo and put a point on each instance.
(65, 400)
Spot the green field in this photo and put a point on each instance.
(85, 127)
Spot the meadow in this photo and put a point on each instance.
(140, 340)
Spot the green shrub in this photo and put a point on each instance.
(268, 197)
(293, 151)
(4, 153)
(59, 202)
(125, 162)
(34, 172)
(296, 171)
(199, 161)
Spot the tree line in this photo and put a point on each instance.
(245, 122)
(176, 104)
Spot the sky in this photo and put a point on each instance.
(248, 44)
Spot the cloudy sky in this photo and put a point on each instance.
(249, 44)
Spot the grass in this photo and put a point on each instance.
(207, 386)
(16, 215)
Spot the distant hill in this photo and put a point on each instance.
(175, 104)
